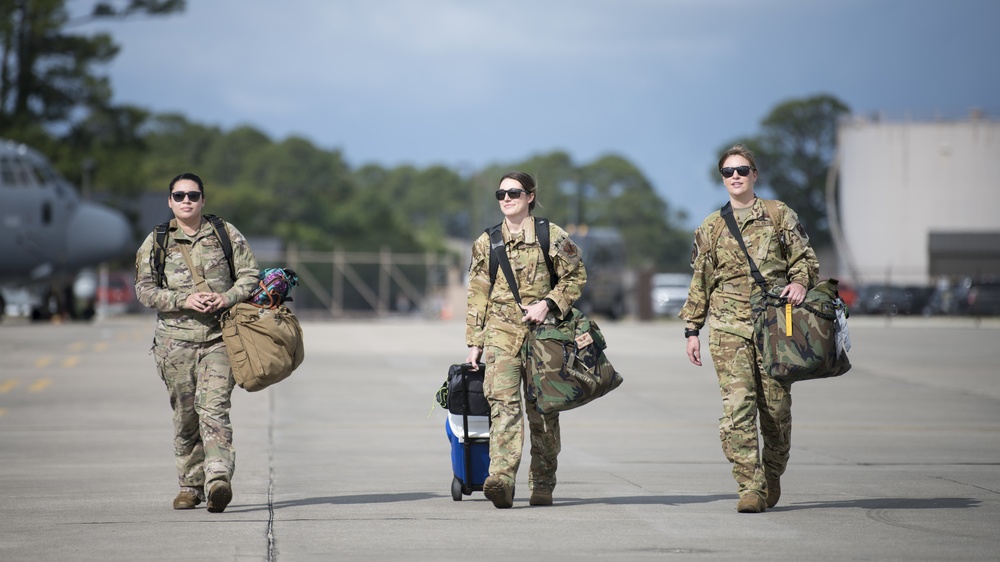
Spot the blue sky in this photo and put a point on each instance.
(466, 83)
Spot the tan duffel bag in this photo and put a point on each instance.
(264, 344)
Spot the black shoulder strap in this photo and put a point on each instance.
(499, 252)
(727, 215)
(494, 262)
(219, 226)
(159, 255)
(541, 232)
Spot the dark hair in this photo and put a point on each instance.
(739, 150)
(526, 181)
(187, 176)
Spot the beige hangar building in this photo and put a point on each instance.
(918, 201)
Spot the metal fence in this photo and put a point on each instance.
(379, 283)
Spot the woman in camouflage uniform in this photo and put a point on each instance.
(187, 344)
(496, 332)
(722, 283)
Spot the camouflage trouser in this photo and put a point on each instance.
(200, 383)
(747, 393)
(502, 385)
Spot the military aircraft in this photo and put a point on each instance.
(48, 233)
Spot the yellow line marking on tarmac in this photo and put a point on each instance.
(77, 347)
(39, 385)
(8, 385)
(43, 362)
(71, 361)
(101, 346)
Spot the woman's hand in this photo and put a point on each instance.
(694, 350)
(473, 357)
(205, 302)
(535, 313)
(794, 293)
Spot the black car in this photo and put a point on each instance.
(892, 299)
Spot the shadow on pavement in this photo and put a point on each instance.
(888, 503)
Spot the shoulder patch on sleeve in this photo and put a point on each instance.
(694, 253)
(801, 232)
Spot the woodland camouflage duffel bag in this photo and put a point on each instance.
(798, 343)
(566, 364)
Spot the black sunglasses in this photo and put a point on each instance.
(178, 196)
(514, 193)
(741, 170)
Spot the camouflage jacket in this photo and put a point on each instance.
(493, 318)
(207, 257)
(722, 280)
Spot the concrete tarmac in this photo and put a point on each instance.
(897, 460)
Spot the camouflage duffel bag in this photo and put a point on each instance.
(799, 343)
(566, 364)
(264, 344)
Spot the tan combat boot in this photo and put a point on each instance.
(187, 498)
(773, 491)
(750, 502)
(540, 497)
(219, 496)
(498, 492)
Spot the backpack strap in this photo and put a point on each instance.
(222, 234)
(158, 257)
(498, 251)
(777, 218)
(541, 233)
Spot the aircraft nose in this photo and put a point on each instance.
(97, 233)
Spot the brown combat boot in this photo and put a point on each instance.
(219, 496)
(750, 502)
(540, 497)
(773, 491)
(498, 492)
(187, 498)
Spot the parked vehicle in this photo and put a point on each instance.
(670, 291)
(892, 299)
(983, 299)
(604, 255)
(966, 297)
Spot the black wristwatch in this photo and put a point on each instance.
(689, 332)
(551, 304)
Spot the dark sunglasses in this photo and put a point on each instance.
(178, 196)
(514, 193)
(741, 170)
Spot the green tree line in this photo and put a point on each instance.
(53, 98)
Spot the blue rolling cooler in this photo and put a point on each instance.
(468, 430)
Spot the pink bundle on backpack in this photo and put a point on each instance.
(274, 287)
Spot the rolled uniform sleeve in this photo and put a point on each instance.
(147, 291)
(694, 313)
(245, 267)
(803, 265)
(570, 269)
(479, 293)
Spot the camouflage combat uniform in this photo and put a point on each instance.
(190, 356)
(494, 323)
(722, 283)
